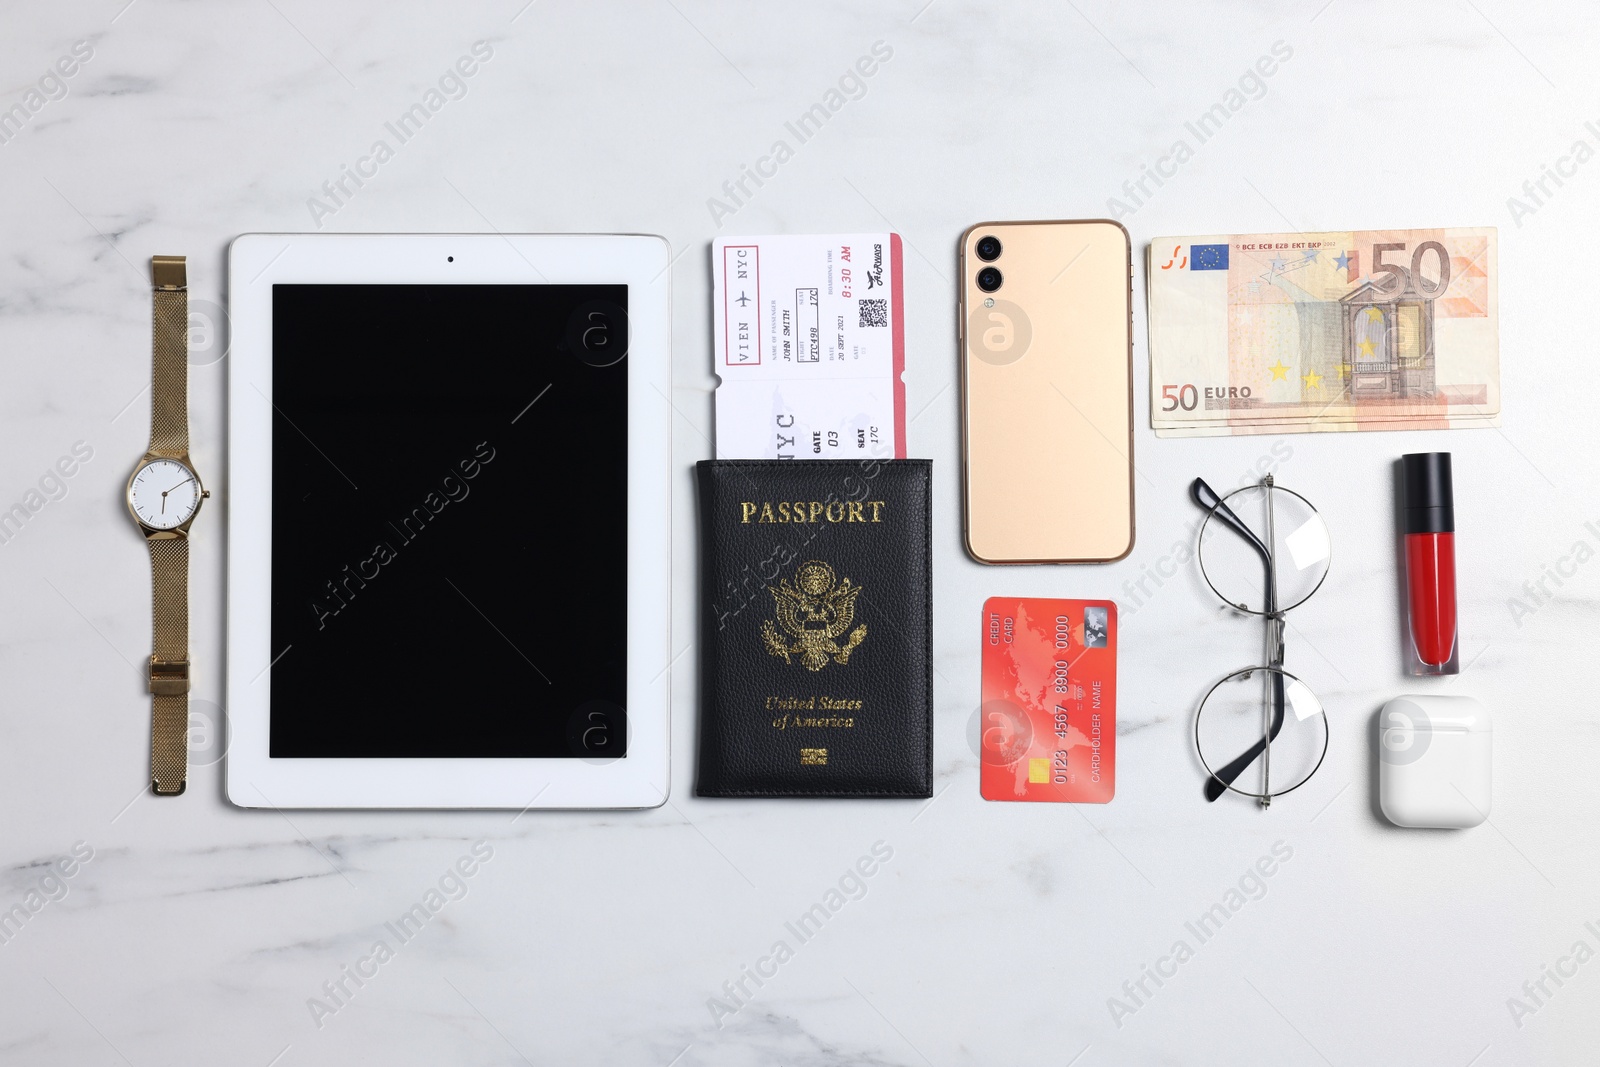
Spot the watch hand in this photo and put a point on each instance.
(174, 489)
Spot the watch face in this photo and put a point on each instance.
(164, 494)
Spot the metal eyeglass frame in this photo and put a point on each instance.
(1221, 780)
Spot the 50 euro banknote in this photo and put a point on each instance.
(1291, 333)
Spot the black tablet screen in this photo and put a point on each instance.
(449, 520)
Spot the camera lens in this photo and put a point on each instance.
(988, 248)
(988, 279)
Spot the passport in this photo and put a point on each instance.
(817, 628)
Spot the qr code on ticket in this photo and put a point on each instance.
(874, 313)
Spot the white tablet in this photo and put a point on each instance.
(448, 521)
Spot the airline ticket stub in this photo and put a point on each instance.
(810, 346)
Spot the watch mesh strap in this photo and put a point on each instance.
(169, 665)
(169, 741)
(169, 555)
(169, 403)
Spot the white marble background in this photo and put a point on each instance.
(197, 933)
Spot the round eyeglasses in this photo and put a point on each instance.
(1261, 716)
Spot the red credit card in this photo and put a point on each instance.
(1049, 717)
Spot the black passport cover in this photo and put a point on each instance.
(816, 654)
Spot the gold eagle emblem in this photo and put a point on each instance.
(815, 610)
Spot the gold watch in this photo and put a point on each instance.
(164, 495)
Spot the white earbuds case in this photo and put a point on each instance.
(1434, 761)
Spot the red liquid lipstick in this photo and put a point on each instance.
(1428, 524)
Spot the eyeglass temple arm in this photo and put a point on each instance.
(1220, 779)
(1209, 499)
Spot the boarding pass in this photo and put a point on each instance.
(810, 346)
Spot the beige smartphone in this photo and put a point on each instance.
(1047, 391)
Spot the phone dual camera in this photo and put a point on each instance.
(988, 250)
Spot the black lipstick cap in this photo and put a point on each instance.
(1429, 495)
